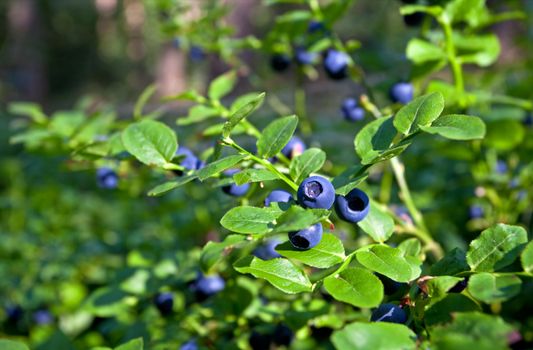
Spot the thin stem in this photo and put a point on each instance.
(455, 64)
(299, 104)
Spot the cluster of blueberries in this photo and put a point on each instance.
(15, 313)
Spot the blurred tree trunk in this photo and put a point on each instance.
(24, 44)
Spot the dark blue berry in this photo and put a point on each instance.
(188, 160)
(304, 57)
(336, 64)
(196, 53)
(389, 313)
(353, 207)
(476, 212)
(234, 189)
(283, 335)
(164, 303)
(351, 111)
(190, 345)
(14, 313)
(107, 178)
(307, 238)
(315, 26)
(42, 317)
(316, 192)
(280, 62)
(267, 250)
(501, 167)
(293, 148)
(402, 92)
(207, 286)
(278, 196)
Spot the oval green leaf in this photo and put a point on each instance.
(355, 286)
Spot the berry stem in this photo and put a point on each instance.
(455, 63)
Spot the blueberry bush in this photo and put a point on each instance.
(398, 219)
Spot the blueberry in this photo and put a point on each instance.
(351, 111)
(188, 160)
(164, 303)
(336, 64)
(278, 196)
(315, 26)
(304, 57)
(353, 207)
(107, 178)
(294, 147)
(402, 92)
(280, 62)
(459, 286)
(190, 345)
(307, 238)
(316, 192)
(501, 167)
(196, 53)
(283, 335)
(207, 286)
(389, 313)
(267, 250)
(259, 341)
(14, 313)
(234, 189)
(42, 317)
(476, 212)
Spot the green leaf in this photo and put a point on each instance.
(504, 135)
(374, 140)
(378, 224)
(458, 10)
(355, 286)
(248, 219)
(410, 9)
(148, 92)
(306, 163)
(443, 310)
(66, 123)
(490, 288)
(6, 344)
(452, 263)
(151, 142)
(482, 50)
(390, 262)
(242, 113)
(107, 301)
(222, 85)
(214, 252)
(472, 330)
(527, 258)
(297, 218)
(218, 166)
(457, 127)
(254, 175)
(170, 185)
(411, 247)
(421, 51)
(197, 114)
(374, 336)
(422, 111)
(349, 179)
(327, 253)
(496, 247)
(134, 344)
(276, 135)
(281, 273)
(438, 286)
(28, 109)
(216, 129)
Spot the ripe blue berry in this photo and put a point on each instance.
(315, 26)
(351, 111)
(336, 64)
(353, 207)
(190, 345)
(316, 192)
(234, 189)
(294, 147)
(278, 196)
(188, 160)
(307, 238)
(304, 57)
(283, 335)
(196, 53)
(267, 250)
(389, 313)
(42, 317)
(476, 212)
(107, 178)
(207, 286)
(501, 167)
(164, 303)
(402, 92)
(280, 62)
